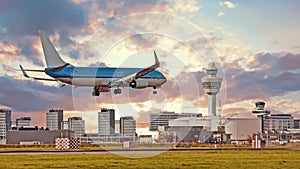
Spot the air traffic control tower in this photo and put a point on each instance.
(261, 113)
(211, 84)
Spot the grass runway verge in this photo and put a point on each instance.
(187, 159)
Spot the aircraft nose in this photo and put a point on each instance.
(164, 79)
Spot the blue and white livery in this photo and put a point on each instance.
(101, 78)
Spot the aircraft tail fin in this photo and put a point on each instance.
(157, 64)
(51, 55)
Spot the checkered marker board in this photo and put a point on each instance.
(66, 143)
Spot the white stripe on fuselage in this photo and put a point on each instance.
(104, 81)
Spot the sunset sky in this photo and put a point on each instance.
(255, 45)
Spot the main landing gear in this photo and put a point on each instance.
(117, 91)
(96, 92)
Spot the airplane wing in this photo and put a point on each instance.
(124, 81)
(35, 78)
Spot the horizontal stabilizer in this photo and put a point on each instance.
(23, 71)
(35, 78)
(30, 70)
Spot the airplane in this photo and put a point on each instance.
(102, 79)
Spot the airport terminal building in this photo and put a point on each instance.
(209, 128)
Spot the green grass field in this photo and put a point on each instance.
(186, 159)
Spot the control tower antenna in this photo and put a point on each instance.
(211, 84)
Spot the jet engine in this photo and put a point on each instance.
(139, 84)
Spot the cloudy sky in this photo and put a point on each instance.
(255, 44)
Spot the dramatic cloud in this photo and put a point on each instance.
(272, 74)
(229, 4)
(27, 17)
(187, 6)
(21, 20)
(27, 95)
(8, 49)
(276, 62)
(119, 33)
(34, 96)
(289, 61)
(124, 8)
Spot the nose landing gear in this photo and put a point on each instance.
(96, 92)
(154, 90)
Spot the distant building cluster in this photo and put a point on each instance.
(231, 128)
(22, 130)
(171, 127)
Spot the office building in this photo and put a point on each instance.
(211, 84)
(162, 118)
(77, 125)
(278, 122)
(117, 126)
(296, 123)
(5, 124)
(54, 119)
(65, 125)
(106, 122)
(127, 126)
(24, 122)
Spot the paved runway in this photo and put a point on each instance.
(128, 151)
(125, 153)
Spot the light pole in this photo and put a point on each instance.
(267, 137)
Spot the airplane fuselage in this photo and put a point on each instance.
(93, 76)
(102, 79)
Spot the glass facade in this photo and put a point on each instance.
(54, 119)
(278, 122)
(5, 123)
(127, 126)
(106, 122)
(77, 125)
(212, 85)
